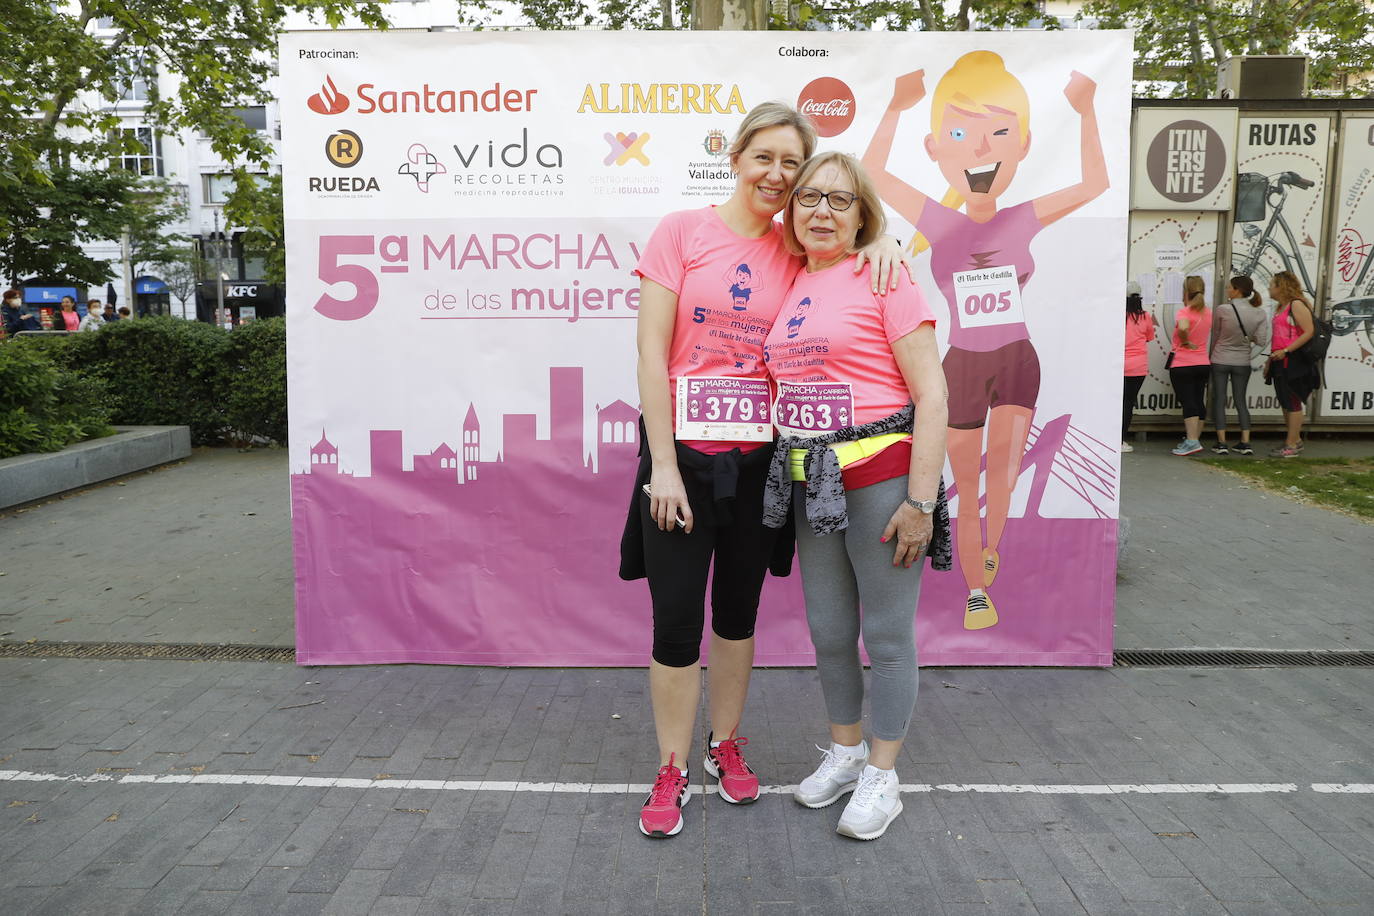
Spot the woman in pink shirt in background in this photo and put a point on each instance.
(1294, 378)
(1140, 330)
(1189, 367)
(712, 281)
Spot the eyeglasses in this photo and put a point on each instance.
(838, 200)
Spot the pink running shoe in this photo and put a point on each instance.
(661, 815)
(738, 784)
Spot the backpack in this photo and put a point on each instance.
(1314, 351)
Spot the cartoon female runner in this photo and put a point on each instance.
(743, 284)
(981, 260)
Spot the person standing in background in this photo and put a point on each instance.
(1294, 378)
(66, 318)
(16, 316)
(1237, 328)
(94, 320)
(1140, 330)
(1188, 366)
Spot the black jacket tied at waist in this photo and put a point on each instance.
(717, 475)
(826, 508)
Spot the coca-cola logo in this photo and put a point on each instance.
(829, 103)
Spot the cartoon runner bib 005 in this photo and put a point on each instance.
(813, 408)
(988, 296)
(723, 408)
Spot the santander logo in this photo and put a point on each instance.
(329, 100)
(829, 103)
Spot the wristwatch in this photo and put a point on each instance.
(925, 505)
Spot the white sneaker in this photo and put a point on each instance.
(838, 773)
(875, 804)
(1126, 446)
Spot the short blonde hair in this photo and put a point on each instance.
(872, 222)
(773, 114)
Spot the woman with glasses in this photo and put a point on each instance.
(711, 283)
(861, 411)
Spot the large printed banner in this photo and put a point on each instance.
(464, 212)
(1349, 391)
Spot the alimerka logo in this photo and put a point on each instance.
(661, 98)
(829, 103)
(329, 100)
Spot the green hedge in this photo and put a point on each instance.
(44, 408)
(224, 385)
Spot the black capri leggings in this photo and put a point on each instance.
(677, 565)
(1129, 392)
(1190, 384)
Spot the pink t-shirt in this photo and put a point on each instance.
(729, 289)
(1139, 333)
(1286, 327)
(70, 320)
(834, 328)
(1199, 331)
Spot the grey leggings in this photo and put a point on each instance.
(1239, 377)
(842, 570)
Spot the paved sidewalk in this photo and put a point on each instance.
(197, 551)
(1271, 838)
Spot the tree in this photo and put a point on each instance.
(1181, 43)
(44, 225)
(66, 63)
(154, 207)
(181, 273)
(257, 206)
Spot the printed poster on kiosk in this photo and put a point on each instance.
(463, 215)
(1349, 390)
(1182, 182)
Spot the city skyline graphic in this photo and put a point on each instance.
(513, 559)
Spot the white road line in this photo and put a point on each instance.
(621, 788)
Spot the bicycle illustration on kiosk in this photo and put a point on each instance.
(1260, 199)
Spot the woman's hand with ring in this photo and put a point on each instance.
(913, 529)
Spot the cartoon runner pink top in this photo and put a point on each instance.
(970, 254)
(729, 289)
(836, 332)
(980, 132)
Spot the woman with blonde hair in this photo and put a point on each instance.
(711, 283)
(1189, 367)
(1294, 377)
(981, 260)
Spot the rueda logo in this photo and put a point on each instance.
(344, 148)
(625, 147)
(422, 165)
(829, 103)
(329, 100)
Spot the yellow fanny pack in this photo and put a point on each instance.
(847, 452)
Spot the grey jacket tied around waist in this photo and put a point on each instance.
(826, 509)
